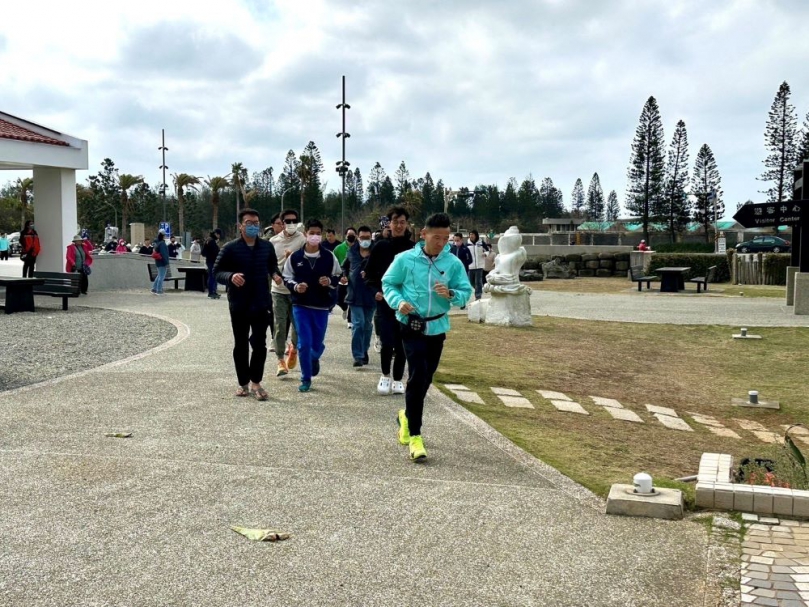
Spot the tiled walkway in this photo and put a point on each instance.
(775, 563)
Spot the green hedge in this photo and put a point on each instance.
(775, 267)
(683, 247)
(698, 262)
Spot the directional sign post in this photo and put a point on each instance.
(166, 227)
(771, 214)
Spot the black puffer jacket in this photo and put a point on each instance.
(258, 264)
(382, 254)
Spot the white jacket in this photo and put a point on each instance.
(478, 254)
(282, 244)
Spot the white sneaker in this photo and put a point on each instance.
(383, 387)
(350, 325)
(398, 388)
(377, 345)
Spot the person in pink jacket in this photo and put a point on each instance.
(121, 248)
(79, 258)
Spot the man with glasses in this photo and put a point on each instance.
(287, 242)
(246, 265)
(387, 327)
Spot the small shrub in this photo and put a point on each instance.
(683, 247)
(698, 262)
(775, 467)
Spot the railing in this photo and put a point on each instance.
(751, 269)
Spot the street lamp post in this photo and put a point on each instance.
(282, 198)
(342, 165)
(163, 166)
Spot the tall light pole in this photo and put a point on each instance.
(163, 166)
(342, 165)
(282, 198)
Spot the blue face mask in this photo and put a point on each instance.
(365, 243)
(252, 231)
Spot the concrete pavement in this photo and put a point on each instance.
(91, 520)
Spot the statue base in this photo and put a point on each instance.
(509, 310)
(476, 311)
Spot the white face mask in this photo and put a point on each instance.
(290, 229)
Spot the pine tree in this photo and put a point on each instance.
(595, 200)
(676, 207)
(803, 142)
(289, 183)
(549, 199)
(439, 197)
(577, 199)
(780, 138)
(509, 204)
(376, 178)
(704, 181)
(428, 196)
(646, 172)
(613, 208)
(527, 203)
(313, 191)
(387, 194)
(358, 188)
(402, 181)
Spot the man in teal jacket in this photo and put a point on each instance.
(421, 285)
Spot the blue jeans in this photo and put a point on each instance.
(476, 278)
(362, 328)
(211, 279)
(157, 285)
(311, 325)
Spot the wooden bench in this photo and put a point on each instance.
(59, 284)
(702, 281)
(636, 275)
(153, 275)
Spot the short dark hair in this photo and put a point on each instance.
(330, 231)
(350, 228)
(247, 211)
(399, 212)
(290, 212)
(275, 218)
(437, 220)
(313, 223)
(364, 229)
(457, 235)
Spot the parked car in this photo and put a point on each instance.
(764, 244)
(14, 244)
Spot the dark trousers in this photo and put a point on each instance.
(4, 255)
(28, 266)
(249, 331)
(389, 331)
(423, 353)
(84, 283)
(211, 279)
(476, 278)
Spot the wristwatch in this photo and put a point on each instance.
(451, 293)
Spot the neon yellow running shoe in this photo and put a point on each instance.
(404, 432)
(417, 450)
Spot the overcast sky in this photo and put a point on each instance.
(473, 91)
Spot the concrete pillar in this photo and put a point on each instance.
(791, 271)
(55, 215)
(137, 231)
(801, 306)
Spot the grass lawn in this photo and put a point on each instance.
(622, 286)
(688, 368)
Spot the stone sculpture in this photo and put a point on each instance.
(510, 304)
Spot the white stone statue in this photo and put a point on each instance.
(510, 303)
(505, 278)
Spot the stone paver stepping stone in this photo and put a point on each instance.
(469, 397)
(551, 395)
(624, 414)
(516, 401)
(661, 410)
(455, 387)
(505, 392)
(746, 424)
(606, 402)
(724, 432)
(675, 423)
(569, 407)
(714, 426)
(768, 437)
(796, 431)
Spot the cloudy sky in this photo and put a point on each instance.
(474, 91)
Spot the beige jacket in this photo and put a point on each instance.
(282, 244)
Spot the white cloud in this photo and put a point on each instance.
(472, 91)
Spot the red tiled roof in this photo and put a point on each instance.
(12, 131)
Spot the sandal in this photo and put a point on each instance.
(260, 394)
(242, 391)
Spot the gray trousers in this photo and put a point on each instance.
(284, 323)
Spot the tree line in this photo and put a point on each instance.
(662, 189)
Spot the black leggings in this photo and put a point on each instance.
(28, 266)
(423, 353)
(389, 331)
(249, 331)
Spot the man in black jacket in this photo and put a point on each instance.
(210, 251)
(387, 327)
(246, 266)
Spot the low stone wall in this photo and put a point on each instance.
(125, 271)
(591, 263)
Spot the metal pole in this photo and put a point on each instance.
(343, 172)
(163, 166)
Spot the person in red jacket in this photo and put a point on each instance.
(29, 249)
(643, 246)
(79, 258)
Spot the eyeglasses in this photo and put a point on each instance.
(252, 223)
(399, 222)
(290, 221)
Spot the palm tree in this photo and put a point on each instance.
(126, 182)
(217, 184)
(25, 188)
(305, 172)
(182, 181)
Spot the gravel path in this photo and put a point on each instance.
(51, 342)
